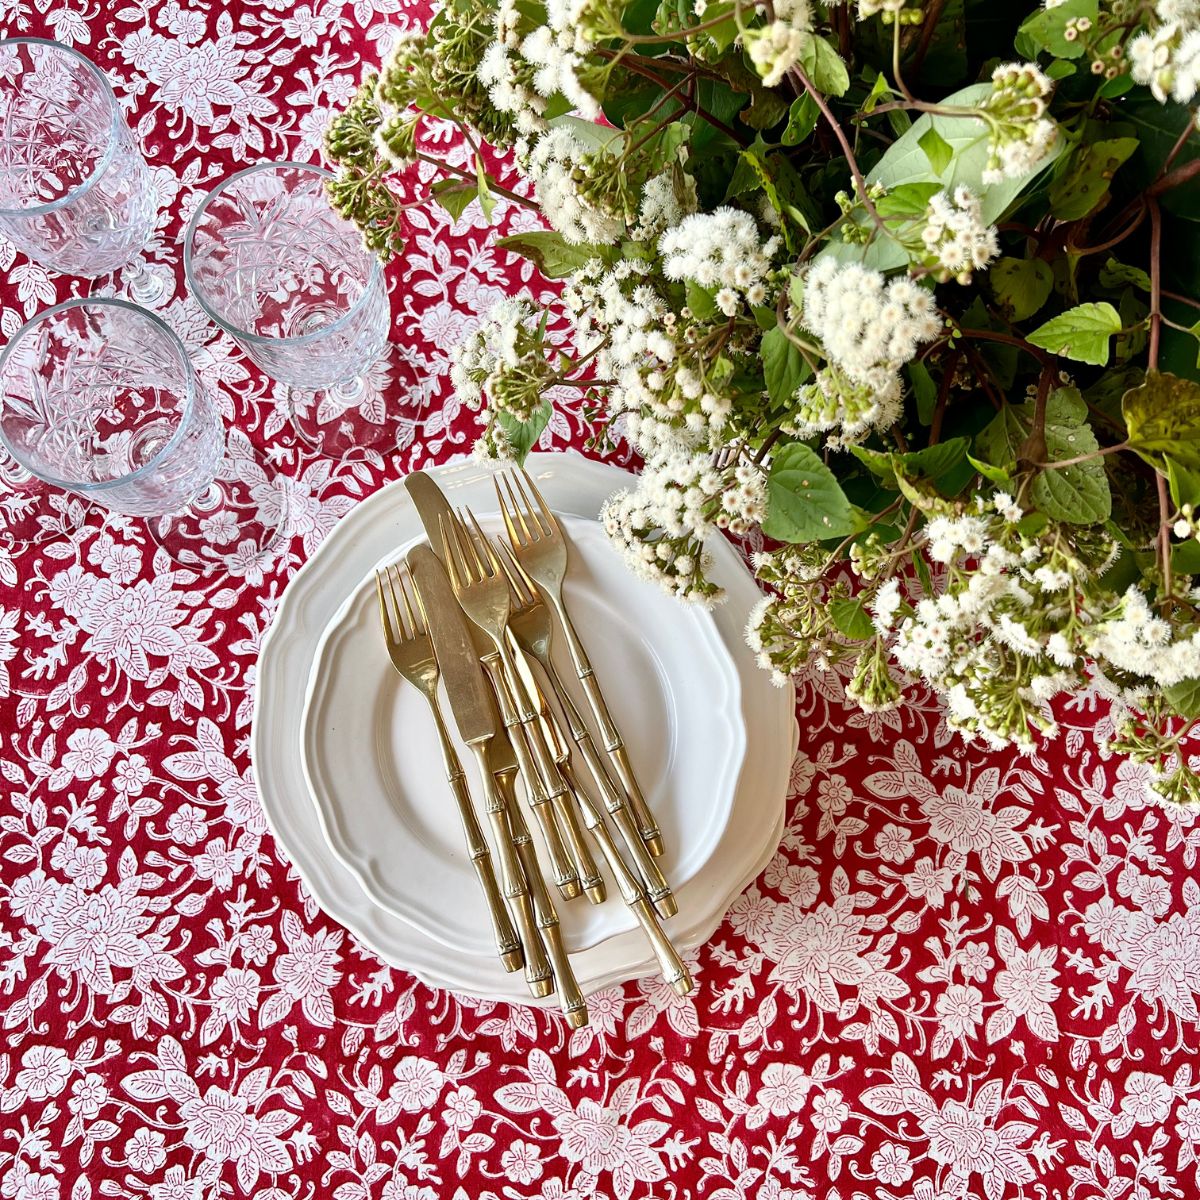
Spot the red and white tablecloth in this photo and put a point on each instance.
(964, 974)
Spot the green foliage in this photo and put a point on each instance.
(1081, 333)
(805, 502)
(1163, 419)
(1021, 285)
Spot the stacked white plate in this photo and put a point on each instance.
(351, 777)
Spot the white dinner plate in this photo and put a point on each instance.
(374, 764)
(369, 533)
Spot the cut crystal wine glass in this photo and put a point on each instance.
(98, 397)
(291, 282)
(76, 194)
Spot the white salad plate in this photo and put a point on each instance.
(374, 765)
(372, 533)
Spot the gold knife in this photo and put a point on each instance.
(471, 706)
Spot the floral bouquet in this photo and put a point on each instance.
(907, 290)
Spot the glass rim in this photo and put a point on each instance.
(176, 344)
(197, 291)
(110, 150)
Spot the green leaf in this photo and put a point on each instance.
(929, 463)
(805, 502)
(852, 618)
(1078, 494)
(553, 256)
(1081, 333)
(784, 368)
(1184, 698)
(937, 149)
(486, 200)
(1184, 484)
(824, 67)
(454, 195)
(907, 200)
(996, 474)
(700, 300)
(1021, 285)
(1117, 275)
(924, 390)
(1048, 27)
(523, 435)
(802, 120)
(905, 161)
(1163, 419)
(1088, 177)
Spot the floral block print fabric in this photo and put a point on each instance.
(964, 974)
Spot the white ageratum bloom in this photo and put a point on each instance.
(776, 47)
(1168, 62)
(721, 250)
(558, 51)
(1185, 13)
(555, 163)
(666, 199)
(869, 327)
(1020, 132)
(1137, 641)
(956, 236)
(508, 76)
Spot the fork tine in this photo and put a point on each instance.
(446, 526)
(480, 566)
(402, 629)
(521, 584)
(512, 511)
(488, 548)
(547, 520)
(413, 620)
(383, 609)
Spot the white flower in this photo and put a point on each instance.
(956, 236)
(721, 249)
(1020, 134)
(554, 162)
(1168, 61)
(885, 605)
(663, 205)
(44, 1072)
(868, 326)
(775, 48)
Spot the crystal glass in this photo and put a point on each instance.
(98, 397)
(291, 282)
(75, 192)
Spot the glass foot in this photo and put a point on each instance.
(237, 526)
(347, 421)
(32, 512)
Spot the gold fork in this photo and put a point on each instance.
(482, 591)
(532, 626)
(411, 652)
(541, 548)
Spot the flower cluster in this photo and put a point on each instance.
(503, 362)
(1020, 132)
(869, 327)
(1167, 60)
(561, 167)
(721, 250)
(956, 237)
(776, 47)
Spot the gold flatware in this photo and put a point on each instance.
(540, 545)
(632, 890)
(548, 933)
(530, 622)
(482, 592)
(475, 715)
(411, 651)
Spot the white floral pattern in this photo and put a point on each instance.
(963, 975)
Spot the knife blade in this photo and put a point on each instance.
(470, 697)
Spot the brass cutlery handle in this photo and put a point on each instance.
(670, 964)
(537, 967)
(658, 890)
(614, 744)
(507, 944)
(570, 996)
(565, 877)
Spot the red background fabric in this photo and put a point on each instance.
(964, 974)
